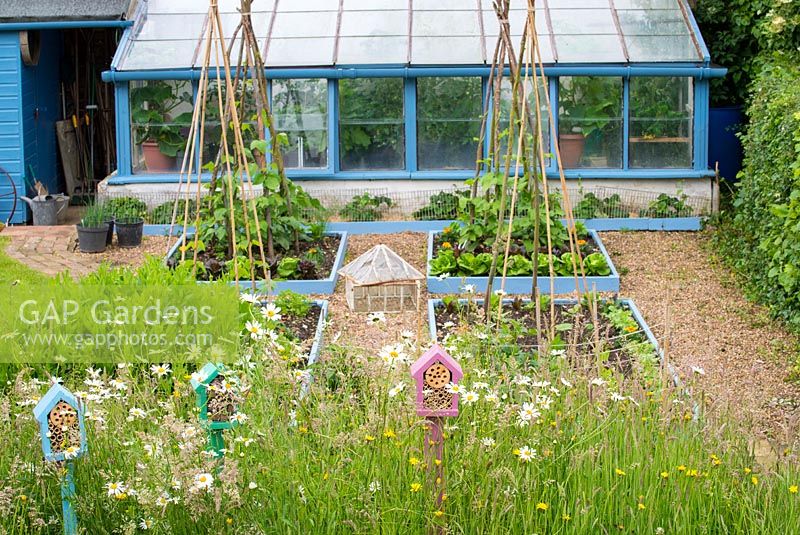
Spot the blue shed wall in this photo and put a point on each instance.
(40, 111)
(11, 135)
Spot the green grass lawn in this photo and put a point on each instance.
(12, 271)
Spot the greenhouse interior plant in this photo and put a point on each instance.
(155, 129)
(587, 106)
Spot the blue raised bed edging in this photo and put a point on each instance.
(387, 227)
(320, 286)
(523, 285)
(433, 303)
(669, 224)
(316, 346)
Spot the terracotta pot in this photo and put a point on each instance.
(155, 160)
(571, 146)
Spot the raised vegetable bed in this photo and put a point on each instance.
(333, 258)
(625, 336)
(454, 283)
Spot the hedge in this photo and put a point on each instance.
(762, 239)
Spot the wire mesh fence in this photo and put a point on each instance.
(386, 204)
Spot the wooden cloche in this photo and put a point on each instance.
(381, 281)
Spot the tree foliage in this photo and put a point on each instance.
(737, 31)
(762, 240)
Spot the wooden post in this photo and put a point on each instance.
(61, 426)
(434, 455)
(436, 373)
(67, 494)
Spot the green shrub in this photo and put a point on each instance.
(128, 207)
(162, 214)
(762, 239)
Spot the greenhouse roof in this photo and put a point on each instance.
(326, 33)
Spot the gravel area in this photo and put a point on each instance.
(351, 329)
(692, 303)
(128, 256)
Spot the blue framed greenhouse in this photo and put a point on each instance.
(394, 90)
(391, 93)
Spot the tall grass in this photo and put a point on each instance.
(347, 457)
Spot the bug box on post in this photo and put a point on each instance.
(217, 397)
(60, 417)
(433, 372)
(381, 281)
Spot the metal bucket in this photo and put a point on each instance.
(45, 209)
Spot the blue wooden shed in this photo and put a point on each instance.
(33, 81)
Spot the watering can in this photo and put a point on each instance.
(45, 208)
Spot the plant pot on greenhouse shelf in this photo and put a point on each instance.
(454, 263)
(626, 342)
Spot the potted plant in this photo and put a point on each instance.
(154, 127)
(93, 230)
(588, 103)
(108, 218)
(129, 220)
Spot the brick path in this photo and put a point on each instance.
(48, 249)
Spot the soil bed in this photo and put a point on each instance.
(620, 336)
(325, 250)
(303, 328)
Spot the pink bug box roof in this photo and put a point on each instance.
(435, 353)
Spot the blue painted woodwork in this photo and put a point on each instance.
(384, 71)
(433, 303)
(12, 159)
(29, 108)
(40, 111)
(724, 146)
(333, 172)
(319, 287)
(41, 412)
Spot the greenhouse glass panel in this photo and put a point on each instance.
(298, 25)
(364, 50)
(643, 22)
(161, 112)
(449, 114)
(317, 51)
(577, 4)
(590, 122)
(587, 22)
(506, 99)
(300, 109)
(445, 50)
(248, 118)
(429, 24)
(661, 48)
(646, 4)
(662, 118)
(589, 49)
(371, 127)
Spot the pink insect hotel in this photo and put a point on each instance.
(432, 372)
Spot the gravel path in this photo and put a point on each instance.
(351, 329)
(746, 356)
